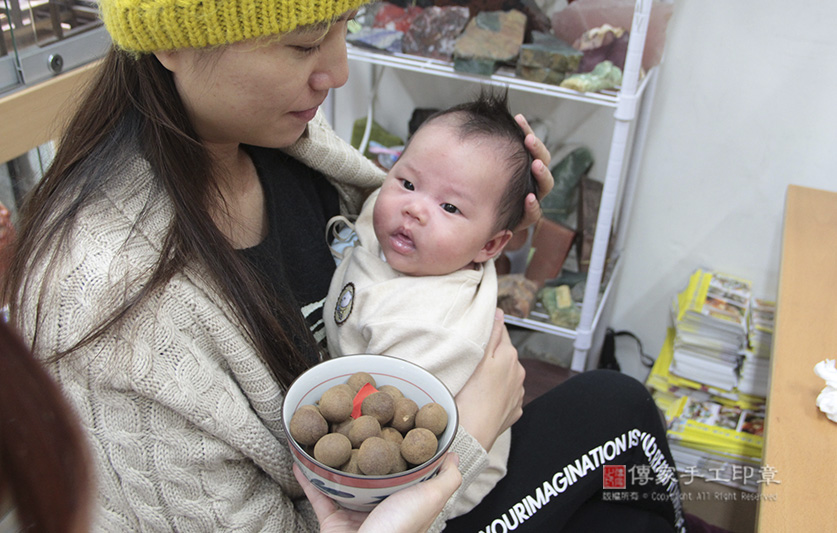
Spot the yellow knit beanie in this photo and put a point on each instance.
(154, 25)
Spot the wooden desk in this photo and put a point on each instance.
(800, 442)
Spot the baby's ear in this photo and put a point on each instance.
(494, 246)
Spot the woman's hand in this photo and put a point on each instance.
(540, 171)
(411, 510)
(492, 398)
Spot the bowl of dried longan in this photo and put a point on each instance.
(362, 427)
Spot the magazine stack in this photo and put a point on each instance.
(755, 366)
(711, 375)
(711, 319)
(717, 442)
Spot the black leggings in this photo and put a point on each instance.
(589, 455)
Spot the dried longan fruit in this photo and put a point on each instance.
(392, 390)
(393, 435)
(359, 379)
(333, 450)
(375, 457)
(343, 427)
(398, 464)
(350, 466)
(433, 417)
(307, 426)
(364, 427)
(309, 406)
(380, 405)
(419, 446)
(404, 416)
(336, 404)
(345, 387)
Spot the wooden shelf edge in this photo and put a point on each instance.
(32, 116)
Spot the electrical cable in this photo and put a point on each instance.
(644, 358)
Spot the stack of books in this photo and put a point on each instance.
(710, 378)
(711, 319)
(667, 386)
(714, 434)
(717, 442)
(755, 366)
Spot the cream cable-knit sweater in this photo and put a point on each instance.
(182, 415)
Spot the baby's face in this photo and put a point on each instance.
(436, 212)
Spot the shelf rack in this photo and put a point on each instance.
(501, 78)
(631, 104)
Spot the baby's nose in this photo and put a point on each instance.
(416, 210)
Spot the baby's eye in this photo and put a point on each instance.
(450, 208)
(408, 185)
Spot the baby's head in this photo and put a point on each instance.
(488, 119)
(456, 193)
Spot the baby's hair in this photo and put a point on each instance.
(488, 116)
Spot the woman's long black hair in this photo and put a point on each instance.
(131, 104)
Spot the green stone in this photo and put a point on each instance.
(547, 51)
(562, 199)
(493, 35)
(489, 20)
(483, 67)
(540, 74)
(605, 75)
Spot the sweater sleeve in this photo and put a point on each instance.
(472, 461)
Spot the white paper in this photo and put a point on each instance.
(827, 400)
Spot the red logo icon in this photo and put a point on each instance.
(614, 477)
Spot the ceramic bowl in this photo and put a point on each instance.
(363, 493)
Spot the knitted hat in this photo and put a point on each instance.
(154, 25)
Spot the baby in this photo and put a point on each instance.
(420, 282)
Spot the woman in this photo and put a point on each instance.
(171, 268)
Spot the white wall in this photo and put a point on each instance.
(743, 108)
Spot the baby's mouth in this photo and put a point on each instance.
(402, 242)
